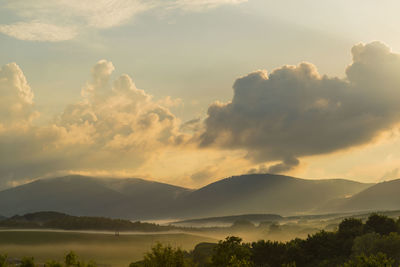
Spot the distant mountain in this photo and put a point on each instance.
(379, 197)
(140, 199)
(2, 217)
(265, 193)
(80, 195)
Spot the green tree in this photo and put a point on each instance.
(268, 253)
(373, 243)
(350, 227)
(165, 256)
(53, 263)
(202, 252)
(235, 262)
(378, 260)
(323, 249)
(27, 262)
(230, 249)
(3, 260)
(71, 259)
(380, 224)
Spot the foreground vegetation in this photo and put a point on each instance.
(70, 260)
(375, 242)
(355, 244)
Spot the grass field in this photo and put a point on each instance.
(103, 248)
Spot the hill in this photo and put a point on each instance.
(140, 199)
(382, 196)
(265, 193)
(79, 195)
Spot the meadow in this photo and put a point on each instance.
(105, 248)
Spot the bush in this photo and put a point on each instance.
(27, 262)
(164, 256)
(231, 249)
(72, 260)
(380, 224)
(373, 243)
(3, 260)
(350, 227)
(378, 260)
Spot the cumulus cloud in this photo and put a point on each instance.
(16, 100)
(115, 126)
(294, 111)
(272, 121)
(122, 116)
(60, 20)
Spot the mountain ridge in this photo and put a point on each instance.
(136, 198)
(381, 196)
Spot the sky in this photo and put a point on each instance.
(191, 91)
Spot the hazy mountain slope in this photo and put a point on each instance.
(382, 196)
(74, 195)
(146, 199)
(265, 193)
(79, 195)
(141, 199)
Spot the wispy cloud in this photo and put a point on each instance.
(98, 14)
(60, 20)
(38, 31)
(200, 5)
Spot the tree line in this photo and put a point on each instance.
(375, 243)
(56, 220)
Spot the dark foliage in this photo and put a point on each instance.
(55, 220)
(231, 249)
(381, 224)
(358, 244)
(202, 253)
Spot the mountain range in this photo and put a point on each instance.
(139, 199)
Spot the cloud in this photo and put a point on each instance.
(391, 175)
(37, 31)
(295, 111)
(16, 100)
(61, 20)
(100, 14)
(115, 126)
(200, 5)
(204, 175)
(286, 165)
(272, 121)
(122, 116)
